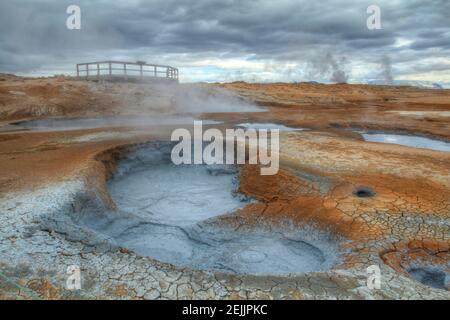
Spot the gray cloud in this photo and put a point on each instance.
(185, 33)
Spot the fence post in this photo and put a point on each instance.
(125, 71)
(110, 69)
(87, 71)
(78, 71)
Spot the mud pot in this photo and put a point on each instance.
(431, 276)
(168, 212)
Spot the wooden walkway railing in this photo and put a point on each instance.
(125, 70)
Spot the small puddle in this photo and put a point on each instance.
(406, 140)
(66, 124)
(167, 212)
(267, 126)
(431, 276)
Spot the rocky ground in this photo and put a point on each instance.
(401, 223)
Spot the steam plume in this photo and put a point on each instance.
(331, 67)
(386, 68)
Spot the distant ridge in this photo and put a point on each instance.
(414, 83)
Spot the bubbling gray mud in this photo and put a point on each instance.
(407, 140)
(170, 212)
(180, 195)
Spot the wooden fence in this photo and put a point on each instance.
(125, 71)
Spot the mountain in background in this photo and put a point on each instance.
(414, 83)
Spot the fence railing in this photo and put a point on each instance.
(125, 70)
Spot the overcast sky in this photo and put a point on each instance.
(227, 40)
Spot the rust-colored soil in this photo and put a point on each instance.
(406, 220)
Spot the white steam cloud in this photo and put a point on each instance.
(335, 69)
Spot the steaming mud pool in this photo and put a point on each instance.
(170, 212)
(67, 124)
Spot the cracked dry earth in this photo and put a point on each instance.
(381, 204)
